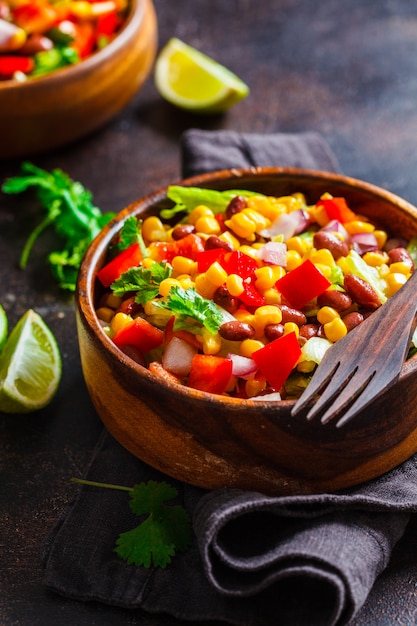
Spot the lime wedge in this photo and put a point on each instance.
(191, 80)
(30, 366)
(4, 327)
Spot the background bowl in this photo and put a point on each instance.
(211, 441)
(50, 111)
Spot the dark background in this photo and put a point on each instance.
(345, 69)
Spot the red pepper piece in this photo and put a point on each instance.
(206, 258)
(107, 24)
(189, 246)
(141, 334)
(130, 257)
(240, 263)
(85, 39)
(277, 359)
(337, 209)
(251, 296)
(210, 373)
(183, 334)
(37, 16)
(9, 64)
(302, 284)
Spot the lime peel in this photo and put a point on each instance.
(30, 366)
(191, 80)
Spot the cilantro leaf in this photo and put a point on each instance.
(71, 212)
(189, 303)
(132, 233)
(165, 529)
(144, 281)
(186, 198)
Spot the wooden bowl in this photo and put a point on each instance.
(212, 441)
(51, 111)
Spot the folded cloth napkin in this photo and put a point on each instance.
(256, 560)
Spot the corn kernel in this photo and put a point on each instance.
(184, 265)
(291, 327)
(400, 268)
(207, 225)
(358, 226)
(185, 281)
(267, 276)
(260, 220)
(166, 285)
(383, 270)
(267, 314)
(395, 281)
(323, 257)
(375, 259)
(293, 260)
(147, 262)
(242, 315)
(203, 286)
(327, 314)
(105, 314)
(335, 329)
(266, 206)
(211, 342)
(255, 386)
(242, 225)
(249, 346)
(319, 214)
(199, 211)
(152, 228)
(234, 284)
(216, 275)
(119, 321)
(272, 296)
(299, 244)
(381, 238)
(249, 251)
(229, 238)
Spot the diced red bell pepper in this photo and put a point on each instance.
(251, 297)
(189, 246)
(302, 284)
(107, 24)
(206, 258)
(85, 39)
(37, 16)
(277, 359)
(210, 373)
(239, 263)
(141, 334)
(337, 209)
(130, 257)
(183, 334)
(10, 64)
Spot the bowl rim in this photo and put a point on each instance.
(96, 252)
(128, 30)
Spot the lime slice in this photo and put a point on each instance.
(4, 327)
(30, 366)
(191, 80)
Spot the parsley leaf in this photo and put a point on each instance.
(165, 529)
(69, 209)
(144, 281)
(189, 303)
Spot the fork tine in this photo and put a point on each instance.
(351, 399)
(335, 389)
(321, 379)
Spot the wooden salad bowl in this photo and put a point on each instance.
(213, 441)
(51, 111)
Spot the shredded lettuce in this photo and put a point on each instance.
(186, 198)
(314, 350)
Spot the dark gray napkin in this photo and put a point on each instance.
(256, 560)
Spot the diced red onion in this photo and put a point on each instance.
(268, 397)
(274, 252)
(335, 226)
(287, 225)
(395, 242)
(364, 242)
(242, 365)
(177, 356)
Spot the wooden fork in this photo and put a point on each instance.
(366, 362)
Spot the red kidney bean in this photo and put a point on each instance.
(182, 230)
(361, 292)
(215, 242)
(401, 255)
(236, 331)
(134, 353)
(223, 298)
(36, 43)
(353, 319)
(338, 300)
(236, 204)
(336, 246)
(273, 331)
(292, 315)
(309, 330)
(129, 306)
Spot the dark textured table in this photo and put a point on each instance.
(347, 70)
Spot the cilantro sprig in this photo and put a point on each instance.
(188, 303)
(144, 281)
(164, 529)
(132, 233)
(69, 210)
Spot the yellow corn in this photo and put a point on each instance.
(207, 225)
(211, 342)
(203, 286)
(242, 225)
(267, 276)
(395, 281)
(199, 211)
(185, 281)
(105, 314)
(147, 262)
(229, 238)
(216, 275)
(291, 327)
(249, 346)
(318, 213)
(381, 237)
(299, 244)
(184, 265)
(234, 284)
(359, 226)
(400, 268)
(255, 386)
(335, 330)
(266, 206)
(166, 285)
(375, 259)
(119, 321)
(260, 220)
(293, 260)
(242, 315)
(327, 314)
(272, 296)
(153, 229)
(267, 314)
(322, 257)
(249, 251)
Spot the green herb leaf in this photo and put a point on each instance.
(132, 233)
(50, 60)
(144, 281)
(187, 198)
(69, 209)
(189, 303)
